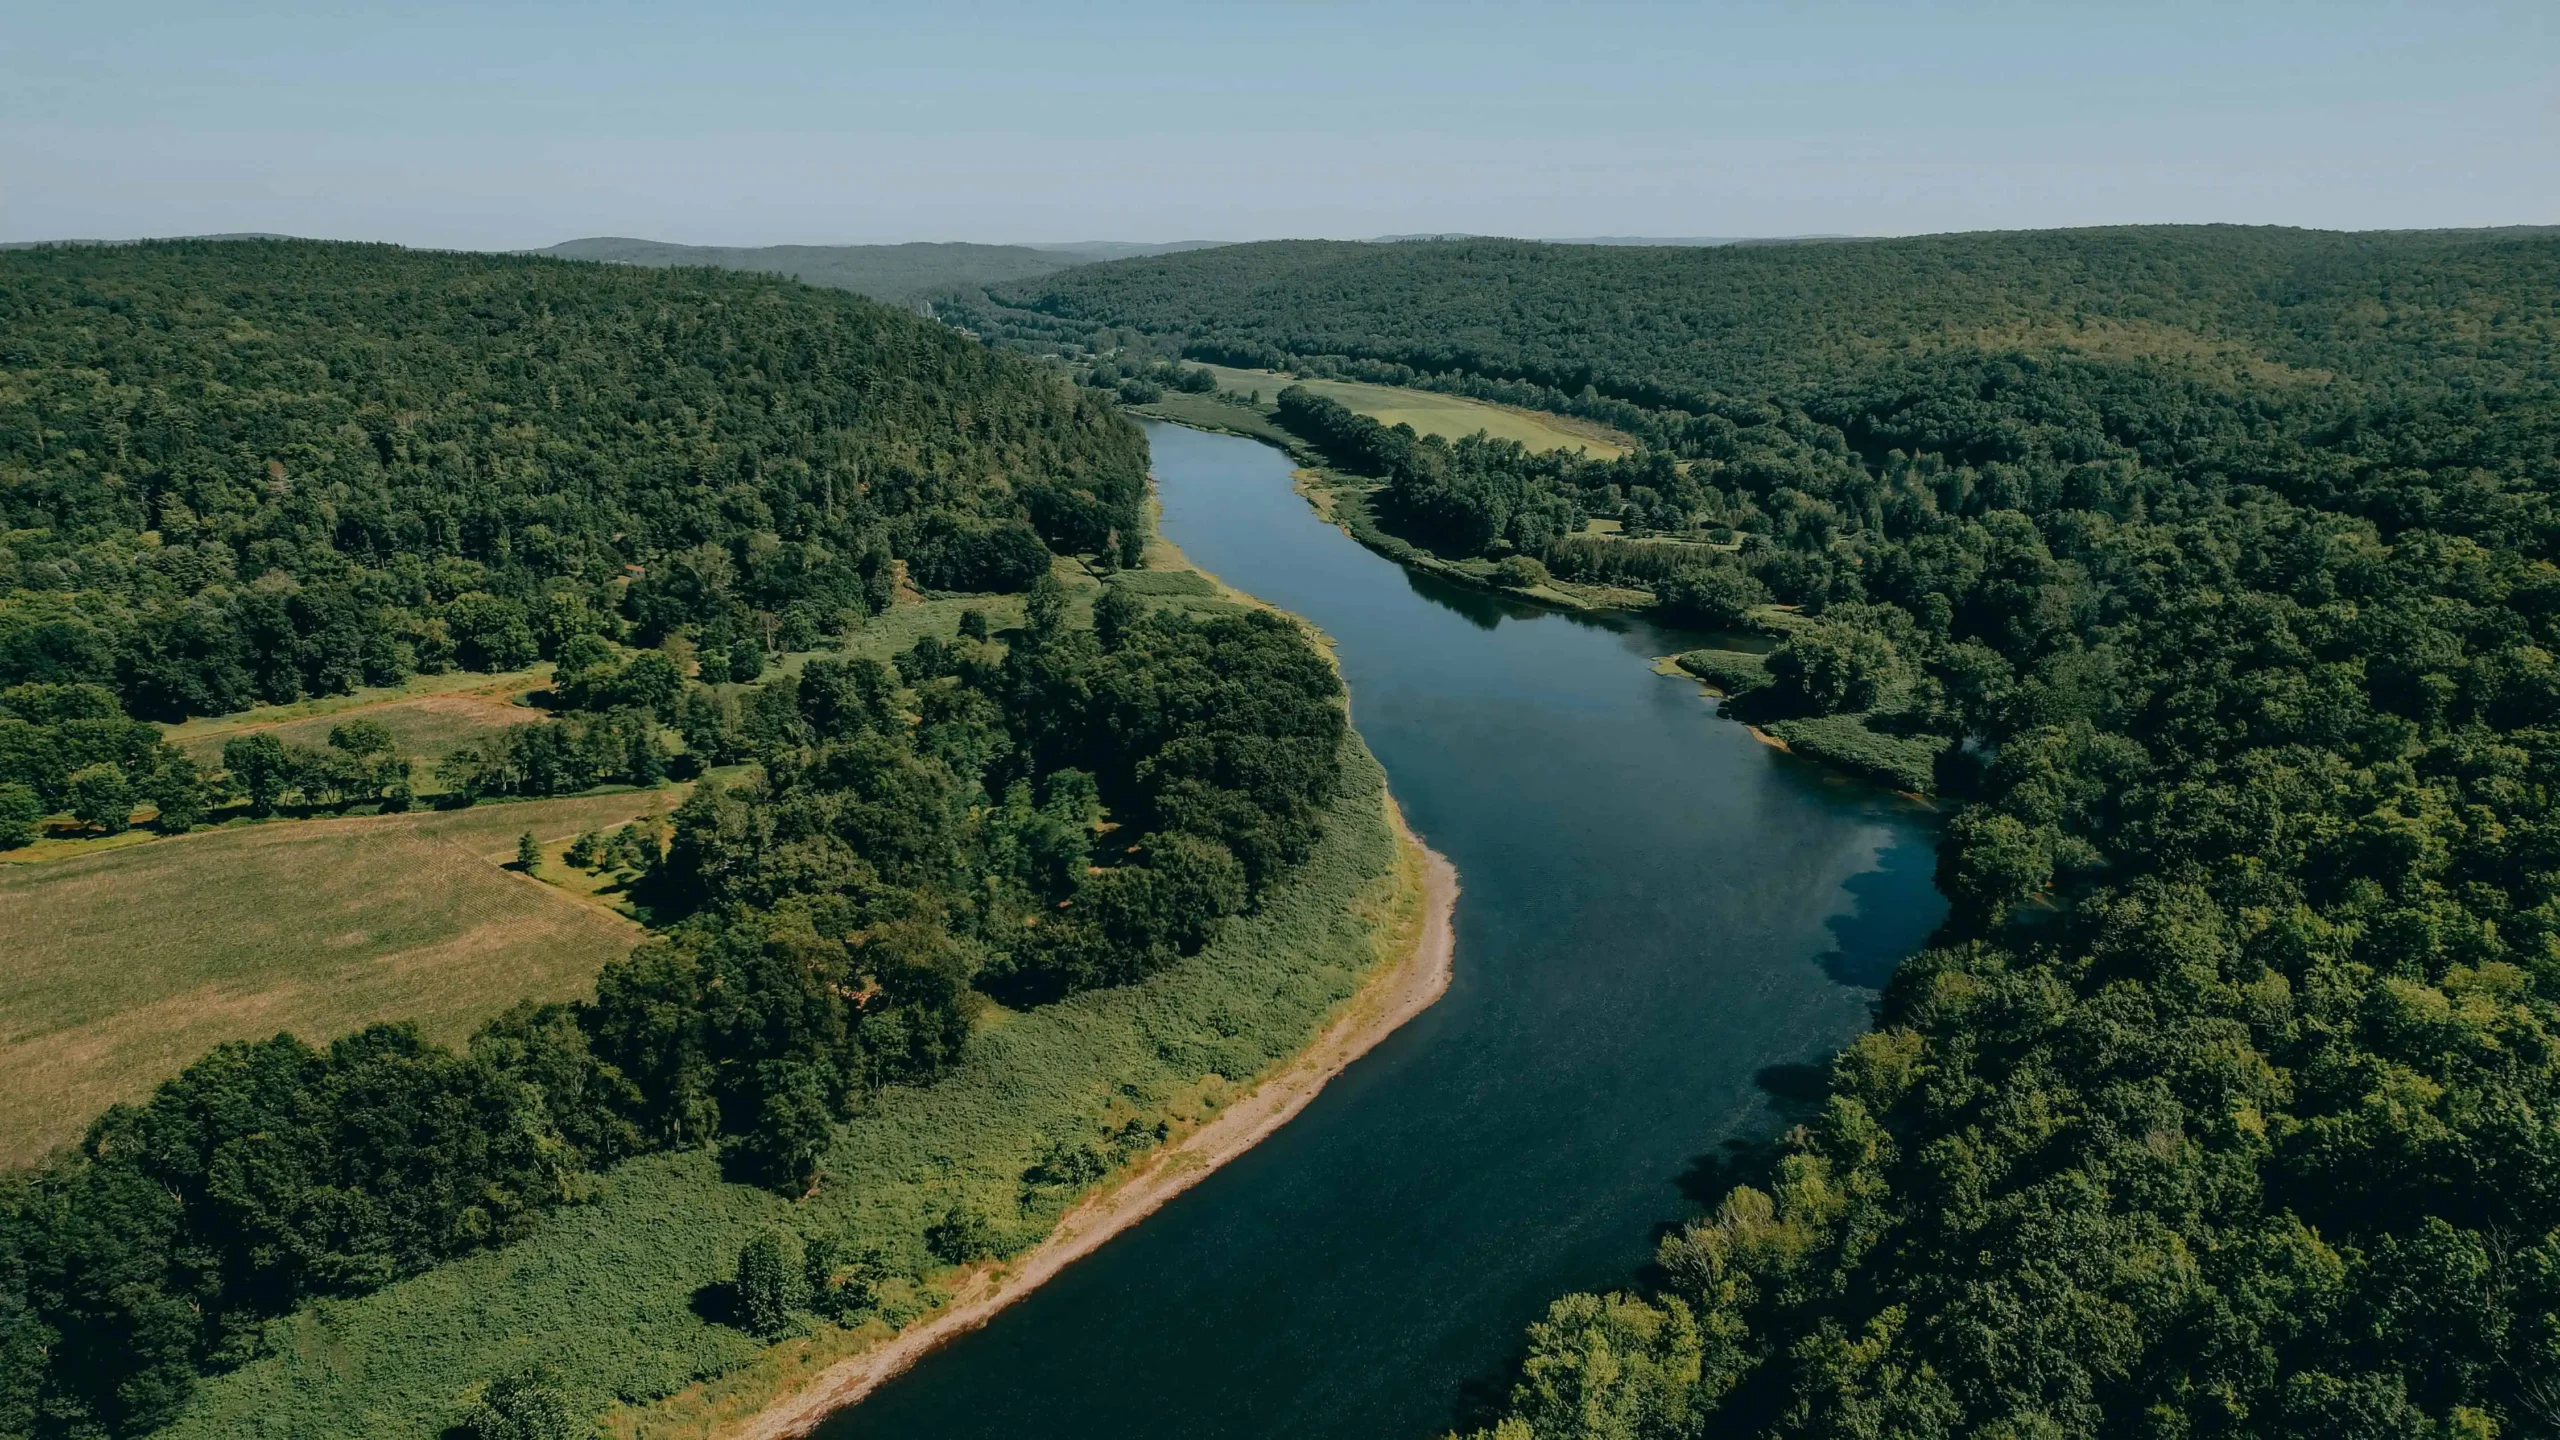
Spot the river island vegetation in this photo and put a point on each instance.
(268, 471)
(2213, 570)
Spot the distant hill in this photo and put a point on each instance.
(1097, 250)
(900, 274)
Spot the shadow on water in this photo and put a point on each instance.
(1873, 935)
(1483, 609)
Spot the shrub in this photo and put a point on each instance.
(528, 1404)
(770, 1286)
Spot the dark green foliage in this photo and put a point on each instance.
(101, 798)
(558, 757)
(69, 745)
(357, 765)
(528, 854)
(770, 1285)
(1202, 747)
(1711, 597)
(962, 1236)
(527, 1404)
(20, 813)
(2220, 1107)
(264, 1174)
(251, 471)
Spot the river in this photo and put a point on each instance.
(1666, 927)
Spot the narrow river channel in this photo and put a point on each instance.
(1665, 928)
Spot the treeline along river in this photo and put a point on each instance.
(1666, 929)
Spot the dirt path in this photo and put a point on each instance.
(1392, 997)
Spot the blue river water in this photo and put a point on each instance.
(1666, 929)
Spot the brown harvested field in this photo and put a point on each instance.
(125, 966)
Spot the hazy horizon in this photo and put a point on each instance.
(484, 127)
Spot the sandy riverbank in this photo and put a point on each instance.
(1396, 994)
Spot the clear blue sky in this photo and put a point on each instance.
(519, 124)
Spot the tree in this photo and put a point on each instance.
(1716, 597)
(20, 815)
(528, 854)
(101, 798)
(177, 794)
(1826, 669)
(527, 1404)
(490, 633)
(792, 1126)
(362, 737)
(260, 769)
(770, 1286)
(1991, 862)
(746, 660)
(961, 1237)
(651, 682)
(1113, 612)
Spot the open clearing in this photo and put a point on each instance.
(127, 965)
(1432, 413)
(204, 736)
(427, 728)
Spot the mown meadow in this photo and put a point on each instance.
(127, 965)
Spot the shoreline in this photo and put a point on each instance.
(1397, 992)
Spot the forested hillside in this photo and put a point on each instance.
(899, 274)
(249, 471)
(256, 471)
(2215, 568)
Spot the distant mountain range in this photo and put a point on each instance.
(1665, 240)
(913, 273)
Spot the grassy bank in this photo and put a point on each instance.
(616, 1293)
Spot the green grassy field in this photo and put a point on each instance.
(127, 965)
(1432, 413)
(426, 729)
(204, 735)
(607, 1291)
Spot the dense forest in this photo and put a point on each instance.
(248, 472)
(2215, 570)
(257, 471)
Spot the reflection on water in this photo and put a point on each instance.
(1667, 929)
